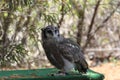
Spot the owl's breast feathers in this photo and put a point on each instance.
(53, 54)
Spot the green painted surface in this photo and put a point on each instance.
(46, 74)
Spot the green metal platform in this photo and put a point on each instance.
(46, 74)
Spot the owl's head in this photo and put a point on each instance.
(50, 32)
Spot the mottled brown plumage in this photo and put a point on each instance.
(63, 53)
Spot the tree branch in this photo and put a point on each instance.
(105, 20)
(80, 23)
(62, 14)
(91, 24)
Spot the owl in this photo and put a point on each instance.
(63, 53)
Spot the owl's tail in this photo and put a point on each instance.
(81, 66)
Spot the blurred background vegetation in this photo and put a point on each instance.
(93, 24)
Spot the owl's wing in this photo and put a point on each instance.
(72, 52)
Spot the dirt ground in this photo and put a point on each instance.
(111, 71)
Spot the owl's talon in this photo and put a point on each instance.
(60, 73)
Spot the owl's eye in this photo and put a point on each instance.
(49, 31)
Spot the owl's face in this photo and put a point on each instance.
(50, 32)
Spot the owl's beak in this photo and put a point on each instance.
(54, 35)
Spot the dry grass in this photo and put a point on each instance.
(111, 71)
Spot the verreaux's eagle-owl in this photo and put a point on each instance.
(63, 53)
